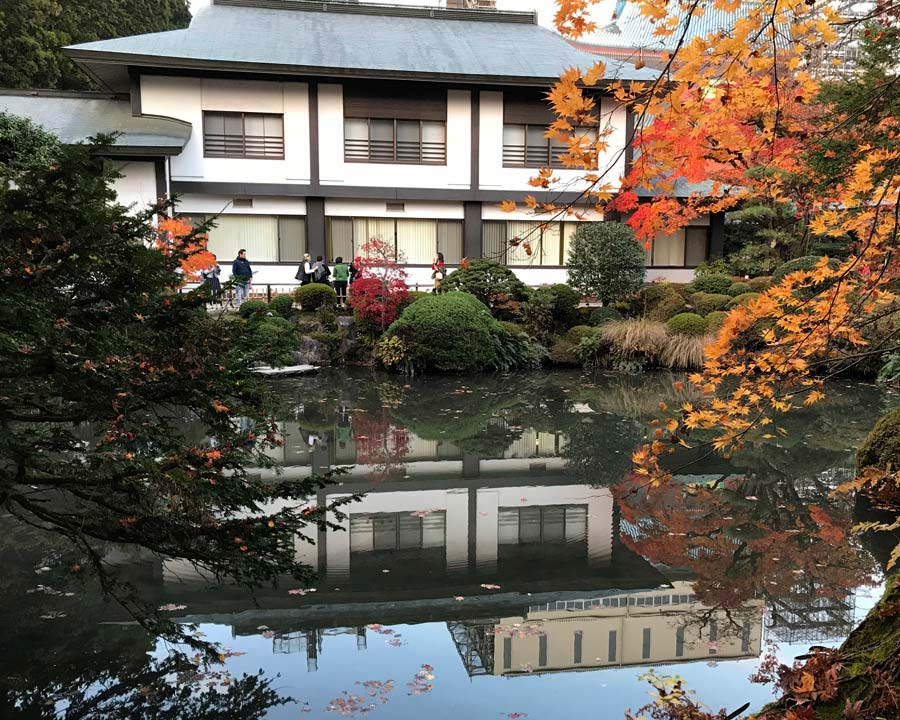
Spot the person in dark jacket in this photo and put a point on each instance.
(241, 273)
(321, 271)
(305, 271)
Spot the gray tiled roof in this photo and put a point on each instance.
(363, 40)
(630, 29)
(75, 117)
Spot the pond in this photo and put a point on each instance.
(495, 565)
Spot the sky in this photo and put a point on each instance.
(545, 8)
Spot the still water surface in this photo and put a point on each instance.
(495, 566)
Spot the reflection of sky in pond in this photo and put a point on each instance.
(506, 481)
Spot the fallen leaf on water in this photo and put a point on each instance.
(490, 586)
(169, 607)
(459, 598)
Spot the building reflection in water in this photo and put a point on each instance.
(439, 522)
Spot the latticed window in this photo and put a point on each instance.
(379, 140)
(243, 135)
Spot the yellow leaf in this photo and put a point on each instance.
(508, 206)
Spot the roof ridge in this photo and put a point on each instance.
(83, 94)
(386, 9)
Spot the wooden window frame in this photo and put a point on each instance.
(245, 153)
(394, 161)
(554, 159)
(684, 266)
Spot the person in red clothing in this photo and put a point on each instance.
(438, 271)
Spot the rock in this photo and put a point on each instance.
(347, 327)
(311, 352)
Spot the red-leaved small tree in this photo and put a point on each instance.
(380, 289)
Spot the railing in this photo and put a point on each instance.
(403, 151)
(246, 146)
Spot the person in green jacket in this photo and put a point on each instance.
(341, 275)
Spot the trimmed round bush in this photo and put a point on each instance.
(714, 283)
(739, 288)
(882, 445)
(687, 324)
(512, 328)
(742, 299)
(807, 262)
(275, 339)
(715, 319)
(575, 334)
(667, 308)
(282, 305)
(314, 296)
(602, 315)
(705, 303)
(450, 332)
(249, 308)
(760, 284)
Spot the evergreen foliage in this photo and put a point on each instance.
(606, 261)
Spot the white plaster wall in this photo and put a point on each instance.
(334, 171)
(137, 186)
(187, 98)
(492, 174)
(378, 208)
(190, 203)
(453, 502)
(492, 211)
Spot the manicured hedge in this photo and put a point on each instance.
(715, 319)
(739, 288)
(713, 283)
(249, 308)
(282, 305)
(314, 296)
(602, 315)
(742, 299)
(705, 303)
(450, 332)
(687, 324)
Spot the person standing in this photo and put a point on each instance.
(211, 281)
(341, 276)
(305, 271)
(241, 273)
(438, 271)
(321, 271)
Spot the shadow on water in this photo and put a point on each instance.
(497, 535)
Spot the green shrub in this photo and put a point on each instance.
(807, 262)
(273, 338)
(492, 283)
(602, 315)
(760, 284)
(452, 332)
(742, 299)
(551, 310)
(512, 328)
(882, 446)
(668, 307)
(687, 324)
(739, 288)
(714, 266)
(314, 296)
(282, 305)
(564, 352)
(515, 350)
(249, 308)
(715, 319)
(574, 335)
(606, 261)
(705, 303)
(714, 283)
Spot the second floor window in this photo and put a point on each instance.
(243, 135)
(526, 146)
(379, 140)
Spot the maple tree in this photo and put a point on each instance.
(174, 236)
(753, 113)
(380, 290)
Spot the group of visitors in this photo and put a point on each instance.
(310, 271)
(318, 272)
